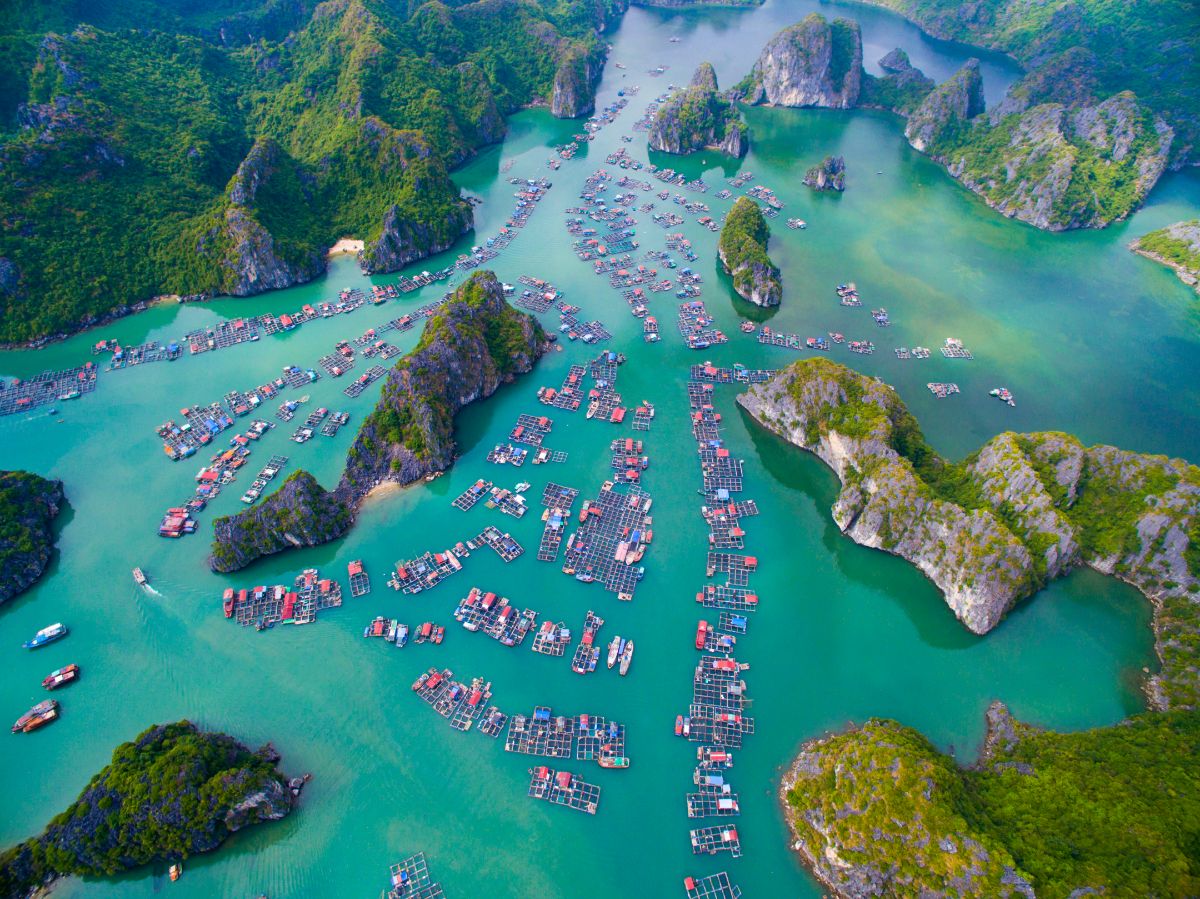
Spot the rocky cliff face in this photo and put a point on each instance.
(1176, 246)
(948, 107)
(300, 513)
(405, 239)
(472, 346)
(812, 63)
(698, 118)
(902, 87)
(247, 256)
(742, 250)
(829, 175)
(172, 793)
(1054, 166)
(1026, 508)
(28, 506)
(575, 79)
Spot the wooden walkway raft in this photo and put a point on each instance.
(715, 886)
(614, 534)
(411, 880)
(563, 788)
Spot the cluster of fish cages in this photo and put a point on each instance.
(425, 571)
(495, 616)
(552, 639)
(563, 788)
(739, 374)
(696, 326)
(503, 544)
(264, 607)
(127, 357)
(531, 429)
(509, 502)
(365, 380)
(469, 498)
(411, 879)
(461, 705)
(715, 886)
(222, 335)
(360, 581)
(46, 388)
(558, 501)
(585, 738)
(711, 840)
(614, 533)
(570, 395)
(587, 653)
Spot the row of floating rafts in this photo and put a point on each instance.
(393, 631)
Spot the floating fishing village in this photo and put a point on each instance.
(620, 514)
(605, 538)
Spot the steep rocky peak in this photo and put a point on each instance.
(704, 77)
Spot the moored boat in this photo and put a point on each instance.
(613, 761)
(42, 713)
(613, 649)
(60, 676)
(626, 658)
(46, 635)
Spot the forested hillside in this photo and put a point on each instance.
(227, 148)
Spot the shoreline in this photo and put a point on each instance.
(346, 246)
(1182, 272)
(791, 773)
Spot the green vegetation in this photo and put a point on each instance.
(417, 408)
(743, 251)
(121, 182)
(1093, 49)
(1178, 246)
(28, 505)
(171, 793)
(1116, 809)
(300, 513)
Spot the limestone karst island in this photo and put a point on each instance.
(715, 449)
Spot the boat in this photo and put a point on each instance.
(687, 726)
(139, 578)
(60, 676)
(701, 634)
(522, 487)
(678, 725)
(626, 658)
(1002, 394)
(401, 635)
(228, 602)
(613, 761)
(592, 407)
(176, 871)
(42, 713)
(46, 635)
(613, 649)
(439, 634)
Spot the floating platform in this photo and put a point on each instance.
(264, 607)
(552, 639)
(360, 583)
(563, 788)
(540, 734)
(713, 804)
(494, 616)
(411, 880)
(492, 722)
(472, 495)
(711, 840)
(715, 886)
(613, 536)
(503, 544)
(424, 572)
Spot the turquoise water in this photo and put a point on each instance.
(1090, 338)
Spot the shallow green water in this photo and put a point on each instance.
(1090, 338)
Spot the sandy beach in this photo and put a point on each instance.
(344, 246)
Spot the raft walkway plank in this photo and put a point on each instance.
(411, 880)
(715, 886)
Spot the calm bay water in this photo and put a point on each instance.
(1090, 338)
